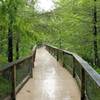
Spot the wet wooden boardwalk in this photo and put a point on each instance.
(50, 81)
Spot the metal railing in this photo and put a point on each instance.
(15, 75)
(87, 78)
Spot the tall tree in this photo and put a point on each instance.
(11, 19)
(95, 35)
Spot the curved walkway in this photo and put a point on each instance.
(50, 81)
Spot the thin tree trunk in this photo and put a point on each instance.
(17, 47)
(10, 41)
(95, 35)
(1, 39)
(1, 44)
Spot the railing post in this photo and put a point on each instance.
(31, 69)
(73, 67)
(13, 76)
(57, 55)
(83, 84)
(33, 60)
(53, 52)
(34, 54)
(48, 49)
(63, 59)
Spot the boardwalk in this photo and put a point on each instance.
(50, 81)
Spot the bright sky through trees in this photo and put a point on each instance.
(44, 5)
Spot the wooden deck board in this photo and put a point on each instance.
(50, 81)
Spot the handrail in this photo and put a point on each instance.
(17, 82)
(77, 63)
(85, 69)
(94, 75)
(18, 61)
(14, 63)
(84, 64)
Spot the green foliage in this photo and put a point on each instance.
(4, 87)
(3, 61)
(21, 13)
(98, 70)
(69, 26)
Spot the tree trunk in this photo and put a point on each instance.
(17, 47)
(95, 35)
(1, 39)
(1, 45)
(10, 41)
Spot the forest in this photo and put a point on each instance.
(73, 25)
(70, 32)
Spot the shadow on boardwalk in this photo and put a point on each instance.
(50, 81)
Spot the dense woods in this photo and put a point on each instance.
(70, 25)
(74, 25)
